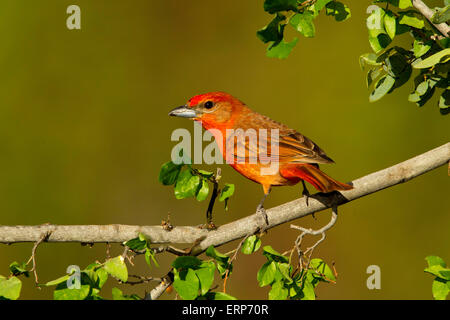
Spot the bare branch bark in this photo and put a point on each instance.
(366, 185)
(428, 13)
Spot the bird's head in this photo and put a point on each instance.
(214, 108)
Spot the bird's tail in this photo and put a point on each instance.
(314, 176)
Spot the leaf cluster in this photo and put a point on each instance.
(285, 280)
(441, 283)
(193, 278)
(391, 66)
(189, 182)
(299, 15)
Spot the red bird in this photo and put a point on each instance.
(296, 156)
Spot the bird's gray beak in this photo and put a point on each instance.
(183, 112)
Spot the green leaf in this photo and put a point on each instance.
(57, 281)
(118, 295)
(444, 102)
(432, 60)
(102, 276)
(281, 50)
(206, 174)
(273, 31)
(63, 293)
(278, 291)
(186, 185)
(379, 42)
(226, 193)
(186, 262)
(205, 275)
(273, 255)
(222, 260)
(442, 15)
(285, 271)
(169, 173)
(136, 244)
(116, 267)
(94, 295)
(368, 59)
(150, 256)
(266, 275)
(186, 284)
(440, 289)
(251, 244)
(320, 4)
(273, 6)
(18, 268)
(323, 269)
(435, 260)
(372, 75)
(390, 23)
(420, 48)
(339, 10)
(402, 4)
(410, 19)
(308, 291)
(382, 87)
(216, 255)
(303, 23)
(396, 64)
(439, 271)
(10, 288)
(223, 269)
(203, 191)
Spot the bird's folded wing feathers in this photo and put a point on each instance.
(293, 147)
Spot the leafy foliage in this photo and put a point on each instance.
(287, 282)
(10, 288)
(300, 15)
(441, 283)
(193, 278)
(141, 243)
(189, 182)
(391, 66)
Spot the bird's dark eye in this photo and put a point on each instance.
(209, 104)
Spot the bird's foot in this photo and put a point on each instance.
(166, 224)
(306, 193)
(263, 227)
(208, 226)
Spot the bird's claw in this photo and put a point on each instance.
(263, 227)
(306, 193)
(208, 226)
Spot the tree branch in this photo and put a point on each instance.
(366, 185)
(428, 13)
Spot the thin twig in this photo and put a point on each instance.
(428, 13)
(322, 231)
(236, 251)
(141, 279)
(43, 238)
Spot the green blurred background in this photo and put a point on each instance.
(84, 130)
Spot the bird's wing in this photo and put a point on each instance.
(293, 147)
